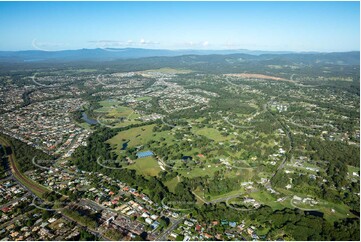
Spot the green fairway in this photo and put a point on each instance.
(171, 184)
(113, 113)
(147, 166)
(144, 98)
(211, 133)
(197, 171)
(137, 136)
(226, 195)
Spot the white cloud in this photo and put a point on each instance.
(146, 42)
(197, 44)
(48, 46)
(121, 43)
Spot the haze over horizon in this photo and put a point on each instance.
(267, 26)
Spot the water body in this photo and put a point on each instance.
(185, 158)
(88, 120)
(315, 213)
(125, 145)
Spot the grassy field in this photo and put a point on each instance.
(147, 166)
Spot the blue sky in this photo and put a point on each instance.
(295, 26)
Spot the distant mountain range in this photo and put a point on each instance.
(133, 56)
(111, 54)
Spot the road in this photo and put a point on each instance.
(13, 201)
(164, 235)
(289, 136)
(6, 179)
(13, 220)
(94, 232)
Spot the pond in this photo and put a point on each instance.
(88, 120)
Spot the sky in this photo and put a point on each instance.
(281, 26)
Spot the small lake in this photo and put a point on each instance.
(125, 145)
(185, 158)
(315, 213)
(88, 120)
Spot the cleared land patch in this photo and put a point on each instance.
(257, 76)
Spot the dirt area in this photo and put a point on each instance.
(258, 76)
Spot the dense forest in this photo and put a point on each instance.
(24, 153)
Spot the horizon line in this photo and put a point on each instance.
(200, 49)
